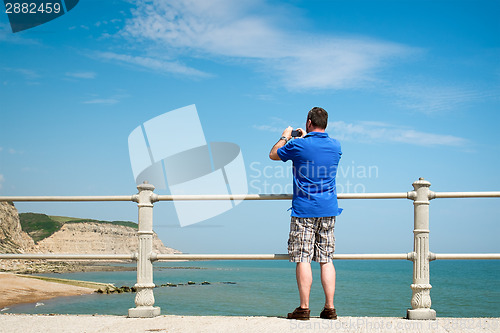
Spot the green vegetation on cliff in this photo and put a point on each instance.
(38, 226)
(66, 219)
(41, 226)
(124, 223)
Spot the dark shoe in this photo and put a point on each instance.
(328, 314)
(299, 314)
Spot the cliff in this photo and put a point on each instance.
(88, 237)
(12, 238)
(96, 238)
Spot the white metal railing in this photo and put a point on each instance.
(144, 300)
(160, 257)
(64, 256)
(72, 198)
(169, 257)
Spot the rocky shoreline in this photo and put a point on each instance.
(44, 266)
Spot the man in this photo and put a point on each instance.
(315, 158)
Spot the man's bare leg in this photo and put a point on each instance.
(304, 281)
(328, 281)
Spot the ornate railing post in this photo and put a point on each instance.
(144, 299)
(421, 297)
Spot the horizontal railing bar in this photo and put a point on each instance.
(465, 195)
(71, 198)
(191, 197)
(154, 256)
(275, 196)
(402, 195)
(380, 256)
(195, 197)
(64, 256)
(475, 256)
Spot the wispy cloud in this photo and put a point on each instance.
(13, 151)
(99, 23)
(432, 98)
(102, 101)
(6, 36)
(28, 74)
(274, 124)
(158, 65)
(371, 131)
(2, 180)
(81, 75)
(114, 99)
(367, 132)
(252, 31)
(268, 128)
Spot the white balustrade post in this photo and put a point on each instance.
(144, 299)
(421, 297)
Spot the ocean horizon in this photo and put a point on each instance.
(381, 288)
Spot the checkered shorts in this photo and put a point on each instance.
(311, 238)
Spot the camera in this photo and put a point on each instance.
(296, 133)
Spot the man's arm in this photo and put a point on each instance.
(287, 133)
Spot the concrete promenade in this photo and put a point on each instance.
(169, 323)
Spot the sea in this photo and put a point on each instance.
(460, 288)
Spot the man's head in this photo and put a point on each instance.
(317, 119)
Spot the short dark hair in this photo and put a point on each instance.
(318, 117)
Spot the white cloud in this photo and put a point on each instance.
(371, 131)
(250, 31)
(275, 125)
(7, 36)
(81, 75)
(268, 128)
(431, 98)
(102, 101)
(27, 73)
(383, 132)
(12, 151)
(152, 64)
(2, 180)
(114, 99)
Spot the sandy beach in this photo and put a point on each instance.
(16, 290)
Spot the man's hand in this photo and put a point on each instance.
(287, 133)
(302, 132)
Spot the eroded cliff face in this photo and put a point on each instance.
(81, 238)
(97, 238)
(12, 238)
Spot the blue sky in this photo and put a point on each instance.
(412, 89)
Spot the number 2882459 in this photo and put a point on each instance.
(32, 8)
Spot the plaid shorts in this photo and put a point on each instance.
(311, 238)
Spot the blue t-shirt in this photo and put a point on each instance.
(315, 161)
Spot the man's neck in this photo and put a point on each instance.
(320, 130)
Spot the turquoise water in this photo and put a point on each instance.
(464, 288)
